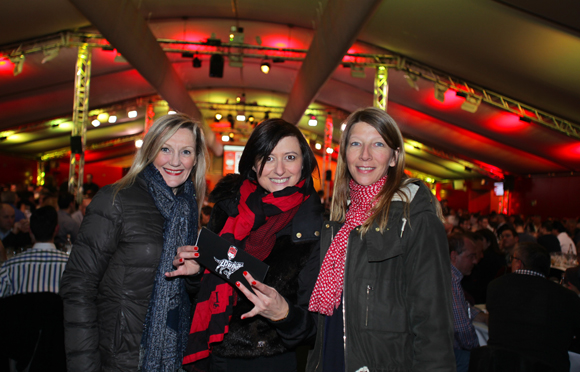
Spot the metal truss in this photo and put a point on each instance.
(80, 120)
(391, 60)
(381, 92)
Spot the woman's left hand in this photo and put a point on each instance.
(267, 301)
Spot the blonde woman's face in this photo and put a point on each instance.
(368, 156)
(176, 158)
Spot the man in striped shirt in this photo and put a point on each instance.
(40, 268)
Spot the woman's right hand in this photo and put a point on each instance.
(185, 262)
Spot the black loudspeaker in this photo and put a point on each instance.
(76, 145)
(329, 175)
(216, 66)
(508, 183)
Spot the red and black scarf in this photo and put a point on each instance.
(260, 216)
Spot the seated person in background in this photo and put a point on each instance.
(546, 239)
(566, 243)
(39, 269)
(463, 254)
(523, 236)
(531, 315)
(80, 213)
(66, 224)
(13, 234)
(508, 238)
(11, 198)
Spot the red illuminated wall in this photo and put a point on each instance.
(15, 170)
(102, 175)
(557, 197)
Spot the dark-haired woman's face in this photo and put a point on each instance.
(283, 166)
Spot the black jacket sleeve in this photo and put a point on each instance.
(89, 259)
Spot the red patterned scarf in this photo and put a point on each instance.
(260, 216)
(328, 289)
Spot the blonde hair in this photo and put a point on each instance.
(161, 131)
(396, 180)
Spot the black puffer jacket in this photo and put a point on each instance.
(294, 263)
(109, 278)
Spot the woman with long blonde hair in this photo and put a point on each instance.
(121, 313)
(384, 288)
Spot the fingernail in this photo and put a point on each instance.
(181, 260)
(195, 248)
(196, 255)
(245, 273)
(253, 282)
(243, 317)
(238, 284)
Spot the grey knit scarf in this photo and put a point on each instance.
(168, 315)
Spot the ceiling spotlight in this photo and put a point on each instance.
(132, 114)
(113, 119)
(171, 112)
(241, 117)
(312, 121)
(440, 90)
(50, 54)
(525, 119)
(265, 67)
(225, 138)
(471, 103)
(103, 117)
(18, 62)
(357, 72)
(412, 81)
(241, 98)
(196, 62)
(317, 146)
(329, 150)
(232, 135)
(217, 117)
(95, 123)
(138, 143)
(251, 119)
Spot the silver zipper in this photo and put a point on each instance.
(403, 227)
(369, 289)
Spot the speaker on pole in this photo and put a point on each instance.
(216, 66)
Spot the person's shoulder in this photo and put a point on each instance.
(227, 188)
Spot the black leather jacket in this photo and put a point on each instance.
(109, 278)
(294, 263)
(397, 293)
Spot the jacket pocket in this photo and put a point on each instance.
(379, 306)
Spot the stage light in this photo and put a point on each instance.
(329, 150)
(171, 112)
(225, 138)
(103, 116)
(196, 62)
(525, 119)
(132, 114)
(357, 72)
(412, 81)
(241, 117)
(217, 117)
(95, 123)
(50, 54)
(265, 67)
(232, 135)
(241, 98)
(440, 90)
(216, 66)
(113, 119)
(471, 103)
(251, 119)
(138, 143)
(317, 146)
(312, 121)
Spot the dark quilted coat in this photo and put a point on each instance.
(109, 279)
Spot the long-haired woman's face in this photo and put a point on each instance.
(283, 166)
(176, 158)
(368, 156)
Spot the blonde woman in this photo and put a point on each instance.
(121, 313)
(384, 288)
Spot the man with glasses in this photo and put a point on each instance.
(531, 319)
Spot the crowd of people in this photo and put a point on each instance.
(386, 279)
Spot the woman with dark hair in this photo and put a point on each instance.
(272, 211)
(384, 288)
(120, 311)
